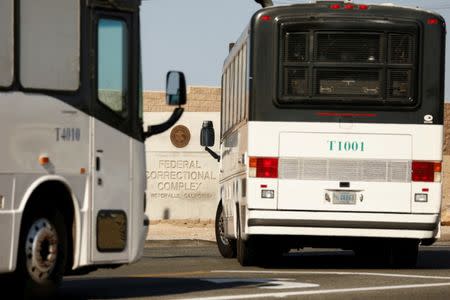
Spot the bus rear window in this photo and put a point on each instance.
(376, 67)
(6, 42)
(348, 47)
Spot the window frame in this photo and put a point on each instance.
(311, 64)
(101, 111)
(127, 91)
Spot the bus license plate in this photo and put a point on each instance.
(344, 198)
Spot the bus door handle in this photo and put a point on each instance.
(97, 160)
(97, 168)
(241, 160)
(97, 163)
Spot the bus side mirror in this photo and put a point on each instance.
(207, 137)
(175, 95)
(175, 88)
(207, 134)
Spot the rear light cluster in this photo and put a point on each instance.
(263, 167)
(422, 171)
(433, 21)
(426, 171)
(349, 6)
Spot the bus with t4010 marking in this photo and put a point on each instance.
(72, 166)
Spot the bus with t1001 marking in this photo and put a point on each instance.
(72, 171)
(332, 132)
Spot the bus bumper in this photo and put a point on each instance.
(376, 225)
(6, 245)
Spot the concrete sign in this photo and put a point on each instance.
(182, 179)
(181, 185)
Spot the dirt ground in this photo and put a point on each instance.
(181, 230)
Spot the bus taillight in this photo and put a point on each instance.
(335, 6)
(433, 21)
(349, 6)
(426, 171)
(263, 167)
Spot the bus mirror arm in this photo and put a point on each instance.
(160, 128)
(213, 154)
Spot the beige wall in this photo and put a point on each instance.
(207, 100)
(200, 99)
(182, 183)
(446, 191)
(446, 168)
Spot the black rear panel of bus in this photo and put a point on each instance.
(312, 63)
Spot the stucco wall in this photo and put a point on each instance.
(182, 178)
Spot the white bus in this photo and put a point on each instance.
(72, 172)
(332, 132)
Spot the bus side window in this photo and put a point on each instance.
(242, 90)
(224, 102)
(49, 53)
(7, 42)
(113, 65)
(246, 74)
(233, 87)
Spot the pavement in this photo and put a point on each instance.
(203, 230)
(200, 273)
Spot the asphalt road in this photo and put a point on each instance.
(197, 271)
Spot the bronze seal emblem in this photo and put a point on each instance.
(180, 136)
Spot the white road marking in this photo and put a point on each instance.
(274, 284)
(319, 292)
(332, 273)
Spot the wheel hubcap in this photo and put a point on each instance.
(223, 239)
(41, 249)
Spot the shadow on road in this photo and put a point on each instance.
(309, 259)
(135, 287)
(429, 258)
(434, 259)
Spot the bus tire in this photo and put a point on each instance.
(42, 253)
(246, 254)
(227, 247)
(405, 253)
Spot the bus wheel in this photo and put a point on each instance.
(246, 254)
(405, 253)
(227, 247)
(42, 253)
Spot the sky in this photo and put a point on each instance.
(193, 36)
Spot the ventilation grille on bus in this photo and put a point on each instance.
(401, 48)
(345, 170)
(295, 47)
(348, 66)
(296, 81)
(349, 47)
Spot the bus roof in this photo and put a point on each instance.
(367, 7)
